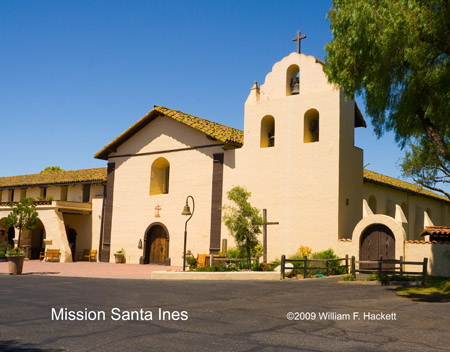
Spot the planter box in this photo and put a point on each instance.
(120, 258)
(228, 275)
(15, 264)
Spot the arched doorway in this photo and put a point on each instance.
(377, 240)
(156, 244)
(36, 243)
(7, 234)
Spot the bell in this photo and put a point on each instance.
(295, 87)
(186, 210)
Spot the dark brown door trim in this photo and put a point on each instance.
(216, 203)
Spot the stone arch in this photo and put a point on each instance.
(267, 138)
(378, 219)
(159, 177)
(156, 244)
(311, 126)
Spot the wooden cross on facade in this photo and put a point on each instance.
(298, 39)
(265, 234)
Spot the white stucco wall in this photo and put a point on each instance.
(190, 174)
(437, 254)
(303, 186)
(415, 207)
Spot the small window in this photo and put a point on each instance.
(311, 126)
(373, 204)
(159, 178)
(292, 80)
(267, 132)
(23, 193)
(12, 196)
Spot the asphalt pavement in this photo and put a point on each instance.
(45, 313)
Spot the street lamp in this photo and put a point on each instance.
(187, 211)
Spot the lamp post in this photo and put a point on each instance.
(187, 211)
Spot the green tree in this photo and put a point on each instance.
(243, 221)
(396, 55)
(23, 216)
(49, 169)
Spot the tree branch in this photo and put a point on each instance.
(432, 188)
(433, 134)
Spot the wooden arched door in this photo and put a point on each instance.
(156, 245)
(377, 240)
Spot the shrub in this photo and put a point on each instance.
(334, 266)
(235, 252)
(304, 250)
(215, 268)
(349, 278)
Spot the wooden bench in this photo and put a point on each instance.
(204, 259)
(91, 256)
(52, 255)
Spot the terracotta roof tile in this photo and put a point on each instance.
(222, 133)
(436, 230)
(55, 178)
(374, 177)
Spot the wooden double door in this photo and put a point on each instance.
(377, 240)
(156, 245)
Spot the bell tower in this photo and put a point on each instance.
(298, 158)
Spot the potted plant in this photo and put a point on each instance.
(190, 258)
(120, 256)
(192, 263)
(15, 257)
(23, 217)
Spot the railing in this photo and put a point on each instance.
(305, 266)
(391, 269)
(36, 202)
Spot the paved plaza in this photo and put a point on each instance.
(152, 315)
(89, 269)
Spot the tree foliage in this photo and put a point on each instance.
(23, 216)
(49, 169)
(243, 221)
(396, 55)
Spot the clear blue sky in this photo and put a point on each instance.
(75, 74)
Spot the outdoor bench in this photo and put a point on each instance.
(52, 255)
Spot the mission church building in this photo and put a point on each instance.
(296, 156)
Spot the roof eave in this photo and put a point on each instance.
(112, 146)
(366, 179)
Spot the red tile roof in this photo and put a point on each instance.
(442, 231)
(375, 177)
(96, 175)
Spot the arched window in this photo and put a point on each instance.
(267, 132)
(292, 80)
(159, 178)
(373, 204)
(311, 126)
